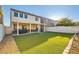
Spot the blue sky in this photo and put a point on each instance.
(49, 11)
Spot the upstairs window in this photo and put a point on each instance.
(15, 14)
(42, 20)
(36, 19)
(21, 15)
(25, 16)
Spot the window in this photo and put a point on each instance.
(42, 20)
(36, 19)
(15, 14)
(21, 15)
(25, 16)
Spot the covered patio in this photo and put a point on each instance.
(21, 28)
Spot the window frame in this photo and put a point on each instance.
(25, 16)
(36, 18)
(21, 15)
(16, 14)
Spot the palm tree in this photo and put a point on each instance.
(1, 15)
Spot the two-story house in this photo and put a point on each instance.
(24, 22)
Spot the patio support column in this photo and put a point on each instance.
(38, 28)
(17, 28)
(30, 28)
(44, 28)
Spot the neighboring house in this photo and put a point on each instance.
(50, 23)
(24, 22)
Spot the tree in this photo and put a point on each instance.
(65, 22)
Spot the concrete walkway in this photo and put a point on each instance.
(8, 46)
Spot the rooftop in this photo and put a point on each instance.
(30, 14)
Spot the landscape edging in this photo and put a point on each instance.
(67, 49)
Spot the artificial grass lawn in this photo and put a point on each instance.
(43, 43)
